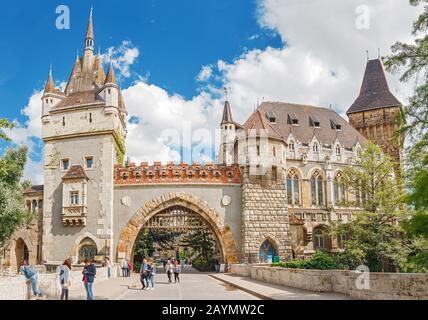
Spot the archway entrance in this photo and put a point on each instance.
(179, 233)
(21, 252)
(178, 212)
(267, 252)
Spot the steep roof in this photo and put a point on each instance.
(304, 132)
(50, 88)
(374, 93)
(90, 29)
(111, 76)
(75, 172)
(260, 125)
(227, 113)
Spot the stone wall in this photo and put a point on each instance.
(264, 213)
(382, 286)
(17, 288)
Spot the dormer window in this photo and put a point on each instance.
(314, 122)
(338, 151)
(315, 148)
(271, 116)
(335, 125)
(292, 119)
(291, 145)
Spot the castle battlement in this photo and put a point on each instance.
(159, 173)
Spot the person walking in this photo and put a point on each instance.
(151, 276)
(169, 270)
(89, 272)
(107, 265)
(65, 279)
(130, 268)
(124, 267)
(31, 275)
(144, 274)
(177, 271)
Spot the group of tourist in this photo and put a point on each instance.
(89, 273)
(127, 268)
(148, 272)
(64, 276)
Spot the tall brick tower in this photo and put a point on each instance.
(376, 111)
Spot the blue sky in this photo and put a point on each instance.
(175, 39)
(175, 57)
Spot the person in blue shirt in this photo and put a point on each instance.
(89, 272)
(30, 274)
(144, 273)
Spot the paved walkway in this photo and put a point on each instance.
(105, 290)
(193, 286)
(275, 292)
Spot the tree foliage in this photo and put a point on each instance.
(412, 60)
(13, 213)
(375, 237)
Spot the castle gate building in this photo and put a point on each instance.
(274, 191)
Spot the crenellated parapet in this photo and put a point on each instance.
(172, 173)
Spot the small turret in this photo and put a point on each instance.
(51, 96)
(228, 135)
(110, 90)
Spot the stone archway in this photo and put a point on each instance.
(222, 232)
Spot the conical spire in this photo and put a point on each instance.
(50, 88)
(111, 77)
(89, 40)
(375, 93)
(227, 113)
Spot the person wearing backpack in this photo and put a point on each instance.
(31, 275)
(89, 272)
(65, 279)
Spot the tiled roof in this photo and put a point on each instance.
(259, 124)
(34, 189)
(75, 172)
(79, 98)
(303, 132)
(374, 92)
(111, 77)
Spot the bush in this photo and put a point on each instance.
(319, 261)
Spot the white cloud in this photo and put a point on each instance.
(123, 57)
(205, 73)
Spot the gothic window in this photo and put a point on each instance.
(338, 152)
(317, 189)
(74, 198)
(319, 241)
(90, 117)
(293, 188)
(274, 151)
(339, 188)
(315, 147)
(267, 252)
(63, 121)
(291, 145)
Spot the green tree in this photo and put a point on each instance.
(13, 213)
(375, 237)
(412, 60)
(201, 241)
(5, 124)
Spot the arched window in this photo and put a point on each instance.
(293, 188)
(315, 147)
(338, 151)
(88, 250)
(341, 238)
(267, 252)
(319, 241)
(339, 188)
(317, 189)
(291, 146)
